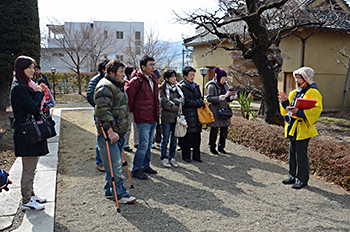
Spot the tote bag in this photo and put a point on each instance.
(205, 115)
(181, 124)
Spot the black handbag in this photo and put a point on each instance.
(36, 130)
(224, 112)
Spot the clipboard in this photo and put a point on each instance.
(303, 103)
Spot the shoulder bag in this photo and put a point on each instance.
(225, 112)
(38, 130)
(181, 124)
(205, 115)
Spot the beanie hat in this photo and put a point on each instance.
(306, 72)
(3, 178)
(219, 73)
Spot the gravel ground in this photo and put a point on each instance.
(239, 191)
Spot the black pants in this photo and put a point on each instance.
(214, 134)
(191, 140)
(298, 161)
(158, 135)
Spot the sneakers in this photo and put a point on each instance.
(173, 163)
(39, 199)
(127, 200)
(165, 163)
(100, 167)
(32, 205)
(139, 174)
(124, 200)
(149, 170)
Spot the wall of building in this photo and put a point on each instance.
(52, 56)
(319, 55)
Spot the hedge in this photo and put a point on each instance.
(68, 82)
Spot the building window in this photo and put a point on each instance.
(137, 35)
(138, 50)
(120, 35)
(119, 57)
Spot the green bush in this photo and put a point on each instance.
(329, 160)
(68, 82)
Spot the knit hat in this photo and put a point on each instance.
(219, 73)
(306, 72)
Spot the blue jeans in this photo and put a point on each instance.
(116, 155)
(142, 156)
(167, 130)
(98, 159)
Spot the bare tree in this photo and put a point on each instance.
(154, 46)
(346, 63)
(256, 28)
(82, 42)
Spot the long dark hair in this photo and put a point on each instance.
(21, 63)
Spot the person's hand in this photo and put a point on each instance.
(39, 88)
(222, 97)
(177, 100)
(113, 136)
(6, 188)
(233, 96)
(43, 87)
(282, 95)
(293, 110)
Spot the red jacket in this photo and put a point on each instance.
(143, 103)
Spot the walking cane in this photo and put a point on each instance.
(111, 168)
(127, 168)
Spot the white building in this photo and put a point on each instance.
(120, 36)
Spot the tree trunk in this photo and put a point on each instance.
(4, 89)
(272, 113)
(79, 80)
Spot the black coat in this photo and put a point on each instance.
(24, 102)
(192, 102)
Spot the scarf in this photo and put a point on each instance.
(173, 88)
(222, 86)
(192, 85)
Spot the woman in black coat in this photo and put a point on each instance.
(193, 101)
(26, 98)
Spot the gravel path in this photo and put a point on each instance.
(240, 191)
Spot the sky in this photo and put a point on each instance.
(156, 14)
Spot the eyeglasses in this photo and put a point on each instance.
(298, 77)
(152, 64)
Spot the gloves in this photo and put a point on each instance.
(222, 97)
(8, 182)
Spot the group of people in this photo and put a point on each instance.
(124, 97)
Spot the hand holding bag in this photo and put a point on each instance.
(205, 115)
(225, 112)
(38, 130)
(181, 124)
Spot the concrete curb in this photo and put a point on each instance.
(44, 185)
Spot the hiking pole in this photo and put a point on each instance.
(111, 168)
(127, 168)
